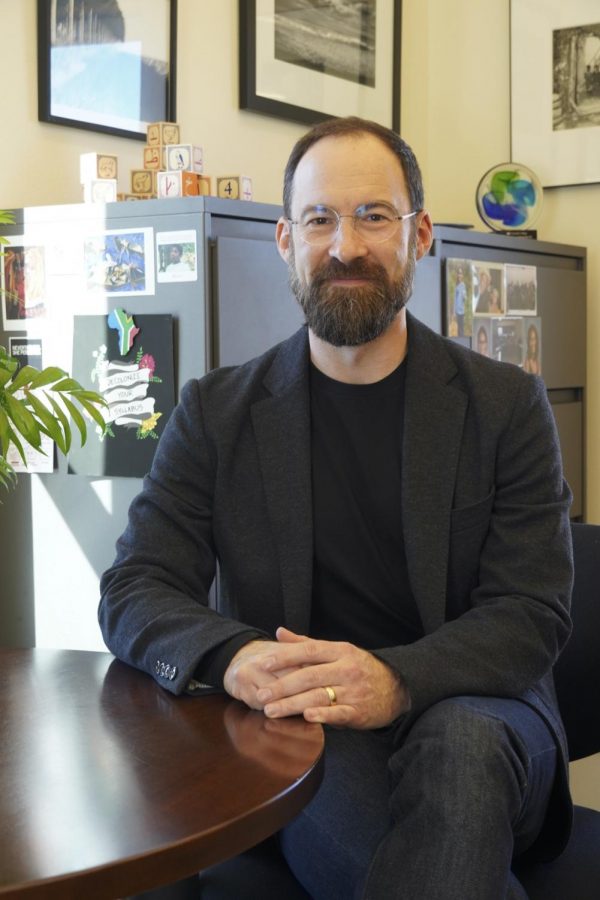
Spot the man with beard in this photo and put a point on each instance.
(391, 524)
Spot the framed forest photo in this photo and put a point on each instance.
(555, 89)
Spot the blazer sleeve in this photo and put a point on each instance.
(154, 610)
(515, 616)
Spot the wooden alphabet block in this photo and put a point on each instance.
(163, 133)
(234, 187)
(205, 185)
(100, 190)
(154, 157)
(177, 184)
(185, 157)
(124, 197)
(93, 166)
(143, 181)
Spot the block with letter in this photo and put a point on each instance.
(177, 183)
(204, 185)
(154, 157)
(184, 156)
(93, 166)
(123, 197)
(163, 133)
(143, 181)
(234, 187)
(100, 190)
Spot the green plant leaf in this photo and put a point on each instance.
(13, 439)
(4, 431)
(66, 384)
(47, 422)
(22, 420)
(93, 412)
(23, 377)
(47, 376)
(77, 418)
(62, 437)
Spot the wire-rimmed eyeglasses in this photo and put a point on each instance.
(373, 222)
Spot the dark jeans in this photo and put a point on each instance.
(438, 818)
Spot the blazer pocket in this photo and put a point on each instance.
(476, 514)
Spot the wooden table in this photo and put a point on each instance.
(109, 785)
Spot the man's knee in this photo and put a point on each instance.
(467, 744)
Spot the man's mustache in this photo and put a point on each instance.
(358, 268)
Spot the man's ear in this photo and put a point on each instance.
(283, 237)
(424, 234)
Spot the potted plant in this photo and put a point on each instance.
(36, 402)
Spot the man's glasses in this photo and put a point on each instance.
(373, 222)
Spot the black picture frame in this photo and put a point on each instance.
(99, 65)
(553, 118)
(380, 102)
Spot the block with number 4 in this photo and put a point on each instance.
(234, 187)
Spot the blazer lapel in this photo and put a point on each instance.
(281, 425)
(434, 418)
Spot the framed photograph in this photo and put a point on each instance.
(555, 89)
(306, 60)
(110, 67)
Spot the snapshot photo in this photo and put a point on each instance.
(508, 340)
(488, 289)
(23, 285)
(481, 341)
(459, 298)
(521, 290)
(176, 256)
(533, 346)
(120, 262)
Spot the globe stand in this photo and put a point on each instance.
(517, 232)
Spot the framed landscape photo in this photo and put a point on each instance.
(308, 60)
(555, 89)
(107, 67)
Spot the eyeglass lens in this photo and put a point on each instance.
(373, 222)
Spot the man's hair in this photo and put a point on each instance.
(352, 125)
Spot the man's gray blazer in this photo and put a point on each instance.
(484, 511)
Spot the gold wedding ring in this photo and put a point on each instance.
(332, 696)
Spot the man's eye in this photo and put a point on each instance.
(375, 217)
(319, 222)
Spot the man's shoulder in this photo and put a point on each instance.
(465, 367)
(284, 362)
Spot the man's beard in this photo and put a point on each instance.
(348, 317)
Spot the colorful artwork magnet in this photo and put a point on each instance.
(138, 385)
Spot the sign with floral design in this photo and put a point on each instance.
(129, 360)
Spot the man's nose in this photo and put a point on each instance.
(347, 243)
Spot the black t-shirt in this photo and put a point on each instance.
(361, 590)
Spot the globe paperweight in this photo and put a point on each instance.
(509, 199)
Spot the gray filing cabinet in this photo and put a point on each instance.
(239, 306)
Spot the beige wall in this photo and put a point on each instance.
(455, 112)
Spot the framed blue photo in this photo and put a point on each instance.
(107, 67)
